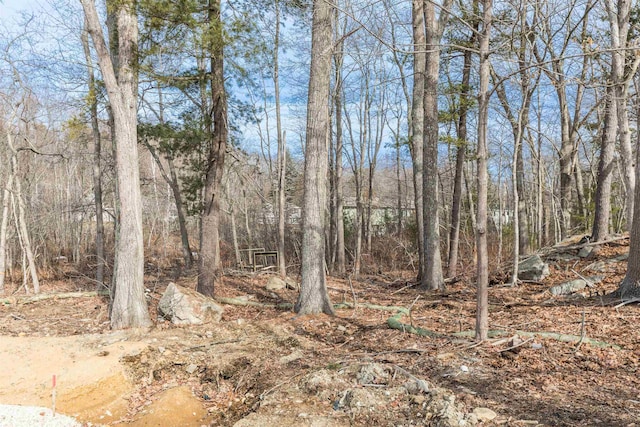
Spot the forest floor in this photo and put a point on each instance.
(265, 366)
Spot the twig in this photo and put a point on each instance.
(411, 307)
(410, 285)
(516, 345)
(583, 334)
(211, 344)
(402, 350)
(630, 301)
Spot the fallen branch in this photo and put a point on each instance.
(582, 245)
(28, 299)
(516, 345)
(630, 301)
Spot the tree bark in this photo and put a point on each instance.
(97, 158)
(313, 298)
(6, 199)
(209, 264)
(129, 307)
(482, 306)
(461, 150)
(605, 169)
(338, 58)
(630, 285)
(417, 122)
(282, 155)
(432, 277)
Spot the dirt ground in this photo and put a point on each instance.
(262, 366)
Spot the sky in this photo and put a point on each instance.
(9, 9)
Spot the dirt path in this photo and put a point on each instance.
(90, 380)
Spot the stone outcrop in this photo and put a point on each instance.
(183, 306)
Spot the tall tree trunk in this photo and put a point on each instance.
(482, 308)
(6, 199)
(282, 155)
(605, 169)
(630, 285)
(339, 195)
(97, 157)
(417, 121)
(461, 150)
(313, 298)
(129, 307)
(171, 178)
(432, 277)
(209, 264)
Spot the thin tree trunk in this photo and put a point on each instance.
(341, 262)
(417, 121)
(6, 199)
(461, 149)
(482, 313)
(605, 170)
(282, 147)
(21, 222)
(97, 154)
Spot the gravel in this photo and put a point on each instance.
(33, 416)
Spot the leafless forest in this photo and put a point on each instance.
(427, 185)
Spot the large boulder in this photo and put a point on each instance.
(183, 306)
(275, 284)
(533, 268)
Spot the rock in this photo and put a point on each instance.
(292, 284)
(183, 306)
(275, 284)
(585, 252)
(622, 257)
(191, 368)
(484, 414)
(597, 267)
(372, 373)
(561, 256)
(417, 386)
(441, 410)
(533, 268)
(572, 286)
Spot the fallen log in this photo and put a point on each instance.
(549, 335)
(28, 299)
(246, 303)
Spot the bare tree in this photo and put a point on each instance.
(417, 121)
(313, 296)
(482, 313)
(129, 307)
(462, 145)
(282, 150)
(97, 157)
(432, 277)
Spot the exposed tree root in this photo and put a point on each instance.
(394, 323)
